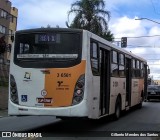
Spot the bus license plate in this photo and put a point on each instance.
(44, 100)
(153, 92)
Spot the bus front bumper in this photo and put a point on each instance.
(79, 110)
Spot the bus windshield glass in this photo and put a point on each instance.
(47, 46)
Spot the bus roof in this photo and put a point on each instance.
(49, 29)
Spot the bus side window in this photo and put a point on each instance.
(133, 67)
(21, 48)
(94, 58)
(138, 69)
(114, 65)
(142, 69)
(121, 65)
(24, 48)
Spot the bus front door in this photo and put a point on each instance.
(104, 82)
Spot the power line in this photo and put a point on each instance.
(133, 46)
(140, 36)
(154, 59)
(154, 64)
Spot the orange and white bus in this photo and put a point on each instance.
(73, 73)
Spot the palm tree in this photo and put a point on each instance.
(90, 15)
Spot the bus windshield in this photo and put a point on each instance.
(47, 46)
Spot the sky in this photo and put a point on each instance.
(143, 36)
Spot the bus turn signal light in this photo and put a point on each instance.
(79, 90)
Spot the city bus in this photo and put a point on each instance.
(73, 73)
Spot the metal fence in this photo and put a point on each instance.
(4, 72)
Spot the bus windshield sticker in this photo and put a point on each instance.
(47, 56)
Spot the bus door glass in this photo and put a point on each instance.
(128, 81)
(104, 81)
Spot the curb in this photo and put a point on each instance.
(3, 113)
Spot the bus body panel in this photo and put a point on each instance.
(71, 111)
(30, 83)
(137, 89)
(60, 84)
(117, 87)
(55, 89)
(94, 97)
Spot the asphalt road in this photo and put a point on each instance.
(140, 120)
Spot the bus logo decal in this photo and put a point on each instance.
(24, 98)
(59, 83)
(6, 134)
(27, 75)
(43, 93)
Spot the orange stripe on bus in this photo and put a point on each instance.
(60, 84)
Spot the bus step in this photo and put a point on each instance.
(127, 108)
(126, 103)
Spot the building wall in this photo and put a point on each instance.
(8, 19)
(13, 22)
(157, 82)
(5, 8)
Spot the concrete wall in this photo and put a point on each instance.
(5, 5)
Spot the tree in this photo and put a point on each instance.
(90, 15)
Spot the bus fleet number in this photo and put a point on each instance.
(63, 75)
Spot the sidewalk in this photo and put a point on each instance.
(3, 101)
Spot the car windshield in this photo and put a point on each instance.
(153, 87)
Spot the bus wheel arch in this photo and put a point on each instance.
(118, 106)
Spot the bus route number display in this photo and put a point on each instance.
(46, 38)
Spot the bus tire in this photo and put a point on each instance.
(117, 110)
(140, 105)
(142, 99)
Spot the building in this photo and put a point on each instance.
(8, 20)
(157, 82)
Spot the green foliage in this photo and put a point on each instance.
(90, 15)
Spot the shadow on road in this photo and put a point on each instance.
(79, 127)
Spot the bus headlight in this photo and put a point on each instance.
(13, 90)
(79, 90)
(14, 98)
(13, 84)
(77, 99)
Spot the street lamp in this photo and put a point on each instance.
(147, 19)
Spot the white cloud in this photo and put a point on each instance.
(145, 47)
(125, 26)
(37, 13)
